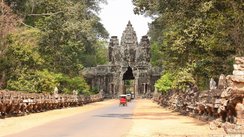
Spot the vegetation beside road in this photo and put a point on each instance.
(45, 44)
(194, 40)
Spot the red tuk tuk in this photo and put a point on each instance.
(122, 100)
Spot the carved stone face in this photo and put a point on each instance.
(117, 57)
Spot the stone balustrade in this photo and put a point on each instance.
(223, 104)
(13, 103)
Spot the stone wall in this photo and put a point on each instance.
(223, 104)
(14, 103)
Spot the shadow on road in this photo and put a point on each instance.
(148, 116)
(197, 123)
(123, 116)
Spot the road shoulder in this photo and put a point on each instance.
(152, 120)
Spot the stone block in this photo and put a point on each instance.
(233, 78)
(238, 67)
(240, 121)
(238, 73)
(239, 60)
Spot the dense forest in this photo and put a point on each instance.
(194, 40)
(46, 43)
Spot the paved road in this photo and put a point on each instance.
(111, 121)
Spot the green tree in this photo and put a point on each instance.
(52, 40)
(197, 35)
(101, 52)
(165, 83)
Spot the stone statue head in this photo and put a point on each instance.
(212, 84)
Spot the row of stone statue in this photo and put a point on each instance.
(223, 103)
(14, 103)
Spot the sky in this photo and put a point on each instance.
(116, 14)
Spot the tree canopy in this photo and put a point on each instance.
(200, 36)
(46, 43)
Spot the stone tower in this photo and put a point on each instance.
(128, 60)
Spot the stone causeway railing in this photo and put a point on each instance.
(13, 103)
(223, 104)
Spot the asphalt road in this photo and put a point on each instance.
(110, 121)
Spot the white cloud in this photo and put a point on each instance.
(116, 14)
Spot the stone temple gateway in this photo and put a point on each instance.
(128, 60)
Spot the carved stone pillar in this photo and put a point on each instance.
(136, 87)
(121, 87)
(112, 89)
(93, 82)
(144, 88)
(155, 91)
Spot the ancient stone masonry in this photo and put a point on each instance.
(128, 60)
(223, 104)
(14, 103)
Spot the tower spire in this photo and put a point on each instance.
(129, 36)
(129, 23)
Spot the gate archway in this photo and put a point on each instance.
(129, 82)
(129, 66)
(128, 75)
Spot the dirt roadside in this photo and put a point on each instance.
(16, 124)
(151, 120)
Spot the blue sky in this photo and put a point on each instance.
(116, 14)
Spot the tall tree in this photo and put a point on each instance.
(201, 35)
(8, 23)
(52, 42)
